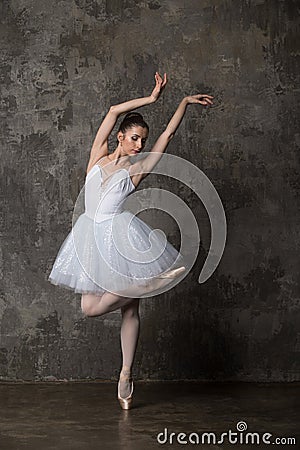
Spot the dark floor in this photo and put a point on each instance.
(87, 416)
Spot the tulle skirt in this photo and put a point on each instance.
(115, 255)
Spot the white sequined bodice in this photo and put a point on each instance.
(104, 198)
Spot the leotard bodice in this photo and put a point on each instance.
(105, 197)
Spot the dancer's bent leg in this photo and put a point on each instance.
(130, 329)
(96, 305)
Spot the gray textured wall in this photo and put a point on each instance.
(63, 64)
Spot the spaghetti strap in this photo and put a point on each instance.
(99, 164)
(100, 159)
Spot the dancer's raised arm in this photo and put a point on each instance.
(148, 163)
(100, 144)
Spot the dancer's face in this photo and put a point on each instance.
(134, 140)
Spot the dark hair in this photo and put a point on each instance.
(131, 119)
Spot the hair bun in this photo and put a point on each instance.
(133, 114)
(132, 119)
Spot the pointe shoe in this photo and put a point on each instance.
(167, 275)
(172, 273)
(125, 403)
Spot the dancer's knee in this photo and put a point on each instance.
(87, 309)
(87, 305)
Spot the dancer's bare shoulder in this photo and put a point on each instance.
(102, 161)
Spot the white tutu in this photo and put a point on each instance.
(110, 249)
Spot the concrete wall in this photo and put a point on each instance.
(63, 64)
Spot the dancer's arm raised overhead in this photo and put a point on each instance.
(148, 163)
(100, 144)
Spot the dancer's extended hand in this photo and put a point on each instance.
(159, 87)
(203, 99)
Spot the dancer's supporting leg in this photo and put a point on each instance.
(97, 305)
(130, 329)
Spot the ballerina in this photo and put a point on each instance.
(96, 259)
